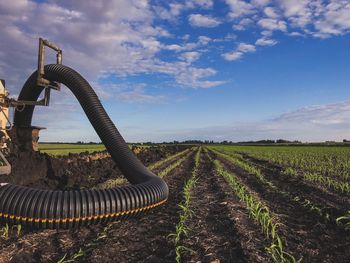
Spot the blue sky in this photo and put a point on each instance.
(197, 69)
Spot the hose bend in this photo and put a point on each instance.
(68, 209)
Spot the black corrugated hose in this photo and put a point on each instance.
(69, 209)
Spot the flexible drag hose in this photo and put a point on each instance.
(68, 209)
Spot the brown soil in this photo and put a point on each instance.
(52, 245)
(74, 171)
(220, 229)
(335, 204)
(307, 237)
(146, 239)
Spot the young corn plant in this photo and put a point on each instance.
(345, 220)
(171, 167)
(260, 213)
(111, 183)
(181, 229)
(87, 247)
(257, 172)
(343, 187)
(5, 231)
(170, 158)
(237, 161)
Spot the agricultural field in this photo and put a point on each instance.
(226, 204)
(71, 148)
(66, 148)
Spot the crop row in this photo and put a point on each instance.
(110, 183)
(326, 161)
(168, 159)
(260, 213)
(330, 183)
(302, 201)
(325, 166)
(181, 229)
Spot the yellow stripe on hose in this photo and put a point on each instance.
(64, 220)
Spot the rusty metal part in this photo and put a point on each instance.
(41, 81)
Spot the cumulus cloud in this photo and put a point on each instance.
(239, 8)
(188, 46)
(123, 41)
(316, 18)
(272, 24)
(174, 9)
(243, 24)
(244, 47)
(190, 56)
(201, 3)
(198, 20)
(194, 77)
(270, 12)
(239, 51)
(265, 42)
(231, 56)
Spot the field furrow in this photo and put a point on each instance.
(305, 236)
(332, 203)
(219, 228)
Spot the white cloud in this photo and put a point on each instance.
(174, 9)
(239, 51)
(188, 46)
(336, 20)
(190, 56)
(272, 24)
(265, 42)
(298, 12)
(193, 77)
(320, 115)
(198, 20)
(239, 8)
(123, 41)
(260, 2)
(316, 18)
(231, 56)
(270, 12)
(243, 47)
(243, 24)
(138, 95)
(204, 40)
(200, 3)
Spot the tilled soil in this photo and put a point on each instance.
(220, 230)
(74, 171)
(52, 245)
(306, 236)
(333, 203)
(146, 239)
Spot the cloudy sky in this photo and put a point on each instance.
(195, 69)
